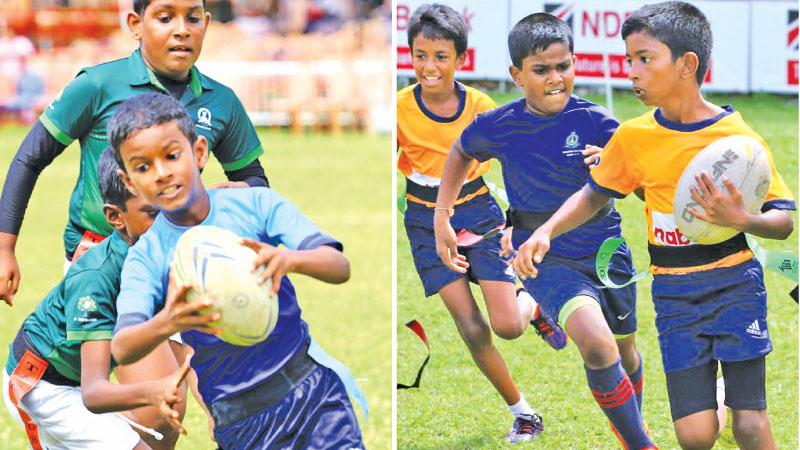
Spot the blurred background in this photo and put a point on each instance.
(298, 63)
(316, 78)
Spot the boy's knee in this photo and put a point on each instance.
(698, 431)
(749, 426)
(475, 332)
(598, 351)
(696, 438)
(509, 330)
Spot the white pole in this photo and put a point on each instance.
(607, 79)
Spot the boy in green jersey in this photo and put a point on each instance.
(170, 33)
(57, 372)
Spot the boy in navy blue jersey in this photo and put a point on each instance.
(274, 394)
(539, 141)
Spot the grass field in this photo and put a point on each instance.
(341, 182)
(457, 408)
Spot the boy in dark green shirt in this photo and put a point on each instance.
(170, 33)
(68, 338)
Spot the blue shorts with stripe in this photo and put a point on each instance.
(316, 413)
(478, 215)
(718, 314)
(560, 279)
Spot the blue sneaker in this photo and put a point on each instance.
(525, 428)
(549, 330)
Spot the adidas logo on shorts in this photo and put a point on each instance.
(755, 330)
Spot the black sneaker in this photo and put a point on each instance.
(525, 428)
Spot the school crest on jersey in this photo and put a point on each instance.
(572, 145)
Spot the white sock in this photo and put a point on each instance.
(520, 408)
(525, 297)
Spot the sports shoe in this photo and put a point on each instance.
(525, 428)
(549, 330)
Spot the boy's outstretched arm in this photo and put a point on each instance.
(727, 209)
(133, 342)
(578, 208)
(324, 263)
(37, 151)
(101, 396)
(453, 176)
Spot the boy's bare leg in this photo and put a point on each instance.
(159, 363)
(589, 331)
(628, 353)
(508, 316)
(476, 334)
(751, 430)
(697, 431)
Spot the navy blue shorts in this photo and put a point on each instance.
(479, 215)
(315, 414)
(718, 314)
(561, 279)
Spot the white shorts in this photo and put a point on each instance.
(65, 423)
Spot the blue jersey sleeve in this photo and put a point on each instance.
(474, 140)
(285, 224)
(142, 289)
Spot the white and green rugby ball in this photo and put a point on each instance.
(218, 266)
(744, 161)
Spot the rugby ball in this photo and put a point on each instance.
(218, 266)
(743, 160)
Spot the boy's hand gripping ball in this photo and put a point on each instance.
(744, 162)
(217, 266)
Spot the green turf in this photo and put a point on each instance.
(341, 182)
(457, 408)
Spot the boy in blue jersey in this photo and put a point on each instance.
(710, 300)
(170, 35)
(64, 347)
(431, 114)
(268, 395)
(539, 141)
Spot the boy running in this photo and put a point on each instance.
(540, 142)
(170, 34)
(270, 395)
(430, 116)
(59, 363)
(706, 296)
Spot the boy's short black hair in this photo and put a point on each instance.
(438, 22)
(680, 26)
(534, 33)
(140, 5)
(112, 187)
(146, 111)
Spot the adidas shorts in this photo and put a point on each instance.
(718, 314)
(65, 423)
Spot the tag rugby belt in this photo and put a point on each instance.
(244, 404)
(427, 194)
(695, 254)
(51, 375)
(529, 220)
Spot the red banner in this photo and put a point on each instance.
(791, 75)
